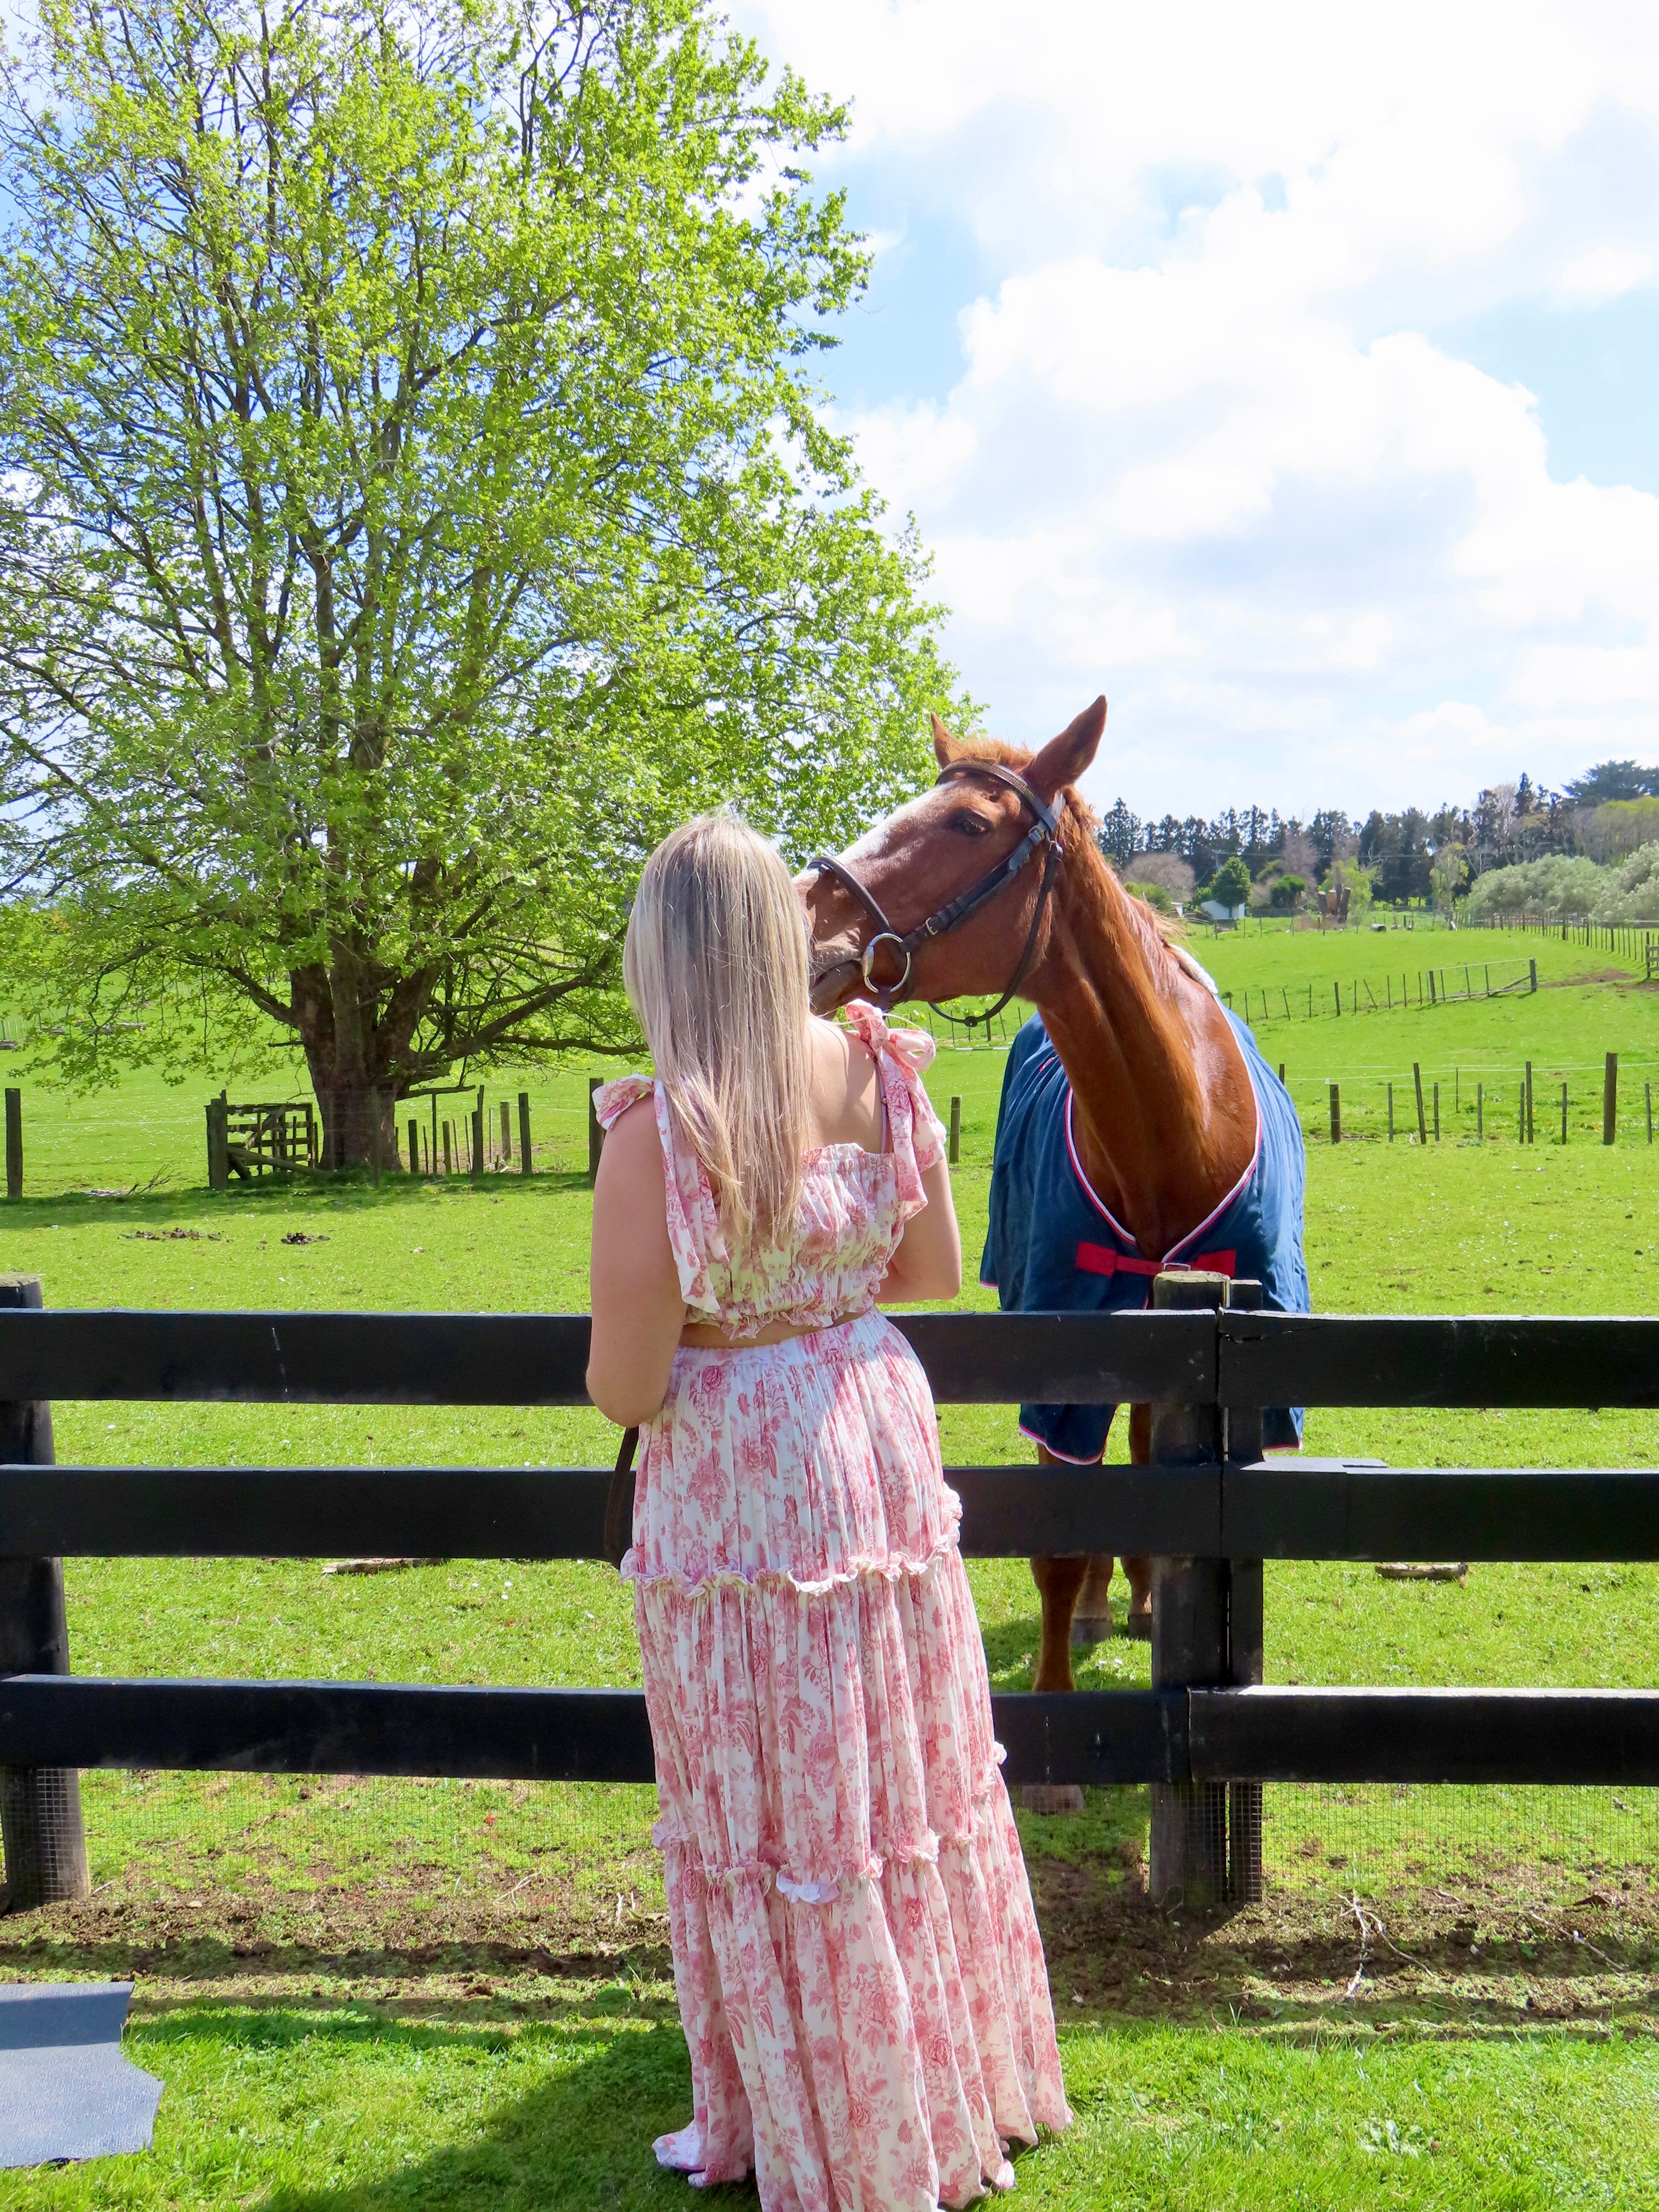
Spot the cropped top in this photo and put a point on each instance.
(854, 1203)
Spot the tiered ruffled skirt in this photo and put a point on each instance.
(860, 1972)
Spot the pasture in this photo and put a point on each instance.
(396, 1995)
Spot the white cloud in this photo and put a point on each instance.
(1202, 451)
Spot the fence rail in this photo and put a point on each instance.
(1452, 982)
(1230, 1359)
(1318, 1508)
(1639, 938)
(1210, 1514)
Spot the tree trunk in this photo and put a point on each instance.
(350, 1106)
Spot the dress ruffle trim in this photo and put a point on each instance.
(901, 1566)
(923, 1849)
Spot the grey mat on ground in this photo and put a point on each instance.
(65, 2090)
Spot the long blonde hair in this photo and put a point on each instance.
(716, 968)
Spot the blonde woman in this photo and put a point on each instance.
(859, 1969)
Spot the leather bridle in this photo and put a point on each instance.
(1044, 832)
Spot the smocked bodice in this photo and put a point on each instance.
(854, 1203)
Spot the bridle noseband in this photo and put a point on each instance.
(1044, 831)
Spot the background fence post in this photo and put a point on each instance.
(14, 1144)
(595, 1134)
(1422, 1121)
(507, 1135)
(414, 1145)
(1529, 1104)
(477, 1143)
(1610, 1100)
(523, 1133)
(1246, 1640)
(955, 1131)
(46, 1845)
(1336, 1113)
(218, 1144)
(1189, 1853)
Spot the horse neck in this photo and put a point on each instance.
(1163, 1114)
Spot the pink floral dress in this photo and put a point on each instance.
(860, 1972)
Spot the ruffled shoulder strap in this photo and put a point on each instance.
(612, 1100)
(916, 1135)
(693, 1225)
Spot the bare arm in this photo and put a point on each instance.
(634, 1287)
(928, 1261)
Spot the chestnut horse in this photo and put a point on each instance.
(1165, 1117)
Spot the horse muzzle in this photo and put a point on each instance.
(834, 982)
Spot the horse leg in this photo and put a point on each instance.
(1139, 1569)
(1092, 1623)
(1059, 1577)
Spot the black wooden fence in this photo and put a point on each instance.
(1207, 1734)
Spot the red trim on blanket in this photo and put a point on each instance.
(1101, 1259)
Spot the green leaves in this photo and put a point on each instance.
(414, 503)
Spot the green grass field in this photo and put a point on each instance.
(425, 1995)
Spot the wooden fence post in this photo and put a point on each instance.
(1528, 1101)
(1422, 1121)
(1336, 1113)
(414, 1145)
(218, 1144)
(1533, 965)
(449, 1165)
(1479, 1113)
(1648, 1088)
(14, 1144)
(525, 1167)
(1391, 1113)
(955, 1149)
(595, 1134)
(477, 1143)
(1189, 1853)
(507, 1135)
(1436, 1112)
(1246, 1640)
(1564, 1113)
(1610, 1100)
(45, 1844)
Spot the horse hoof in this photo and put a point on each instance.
(1049, 1797)
(1088, 1630)
(1141, 1626)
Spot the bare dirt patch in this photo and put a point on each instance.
(1499, 1948)
(1495, 1951)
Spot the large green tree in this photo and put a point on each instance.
(413, 498)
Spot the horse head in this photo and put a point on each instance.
(934, 852)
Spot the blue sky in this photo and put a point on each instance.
(1296, 393)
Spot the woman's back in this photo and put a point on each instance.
(861, 1183)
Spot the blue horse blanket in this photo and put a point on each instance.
(1053, 1247)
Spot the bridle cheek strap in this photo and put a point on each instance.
(1044, 831)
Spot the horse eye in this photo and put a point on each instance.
(968, 824)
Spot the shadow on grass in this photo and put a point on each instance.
(582, 2136)
(145, 1205)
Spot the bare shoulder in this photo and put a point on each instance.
(845, 1092)
(632, 1145)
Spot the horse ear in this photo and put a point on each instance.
(945, 747)
(1064, 758)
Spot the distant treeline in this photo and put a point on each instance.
(1604, 814)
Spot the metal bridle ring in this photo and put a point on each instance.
(886, 937)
